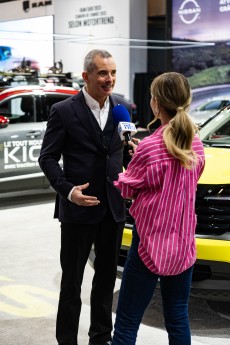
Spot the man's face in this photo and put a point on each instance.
(101, 81)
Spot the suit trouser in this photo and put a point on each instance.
(76, 243)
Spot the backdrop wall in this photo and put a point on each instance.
(102, 24)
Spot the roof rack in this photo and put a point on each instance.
(12, 78)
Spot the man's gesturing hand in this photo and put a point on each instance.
(81, 199)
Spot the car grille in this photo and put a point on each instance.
(212, 209)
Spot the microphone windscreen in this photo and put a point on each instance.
(120, 114)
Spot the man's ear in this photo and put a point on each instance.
(85, 76)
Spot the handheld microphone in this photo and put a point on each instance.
(121, 118)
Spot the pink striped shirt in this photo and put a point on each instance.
(164, 204)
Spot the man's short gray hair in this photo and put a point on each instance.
(89, 65)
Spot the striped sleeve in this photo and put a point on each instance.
(133, 179)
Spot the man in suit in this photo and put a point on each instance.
(90, 209)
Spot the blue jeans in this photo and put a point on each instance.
(137, 287)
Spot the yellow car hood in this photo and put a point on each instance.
(217, 166)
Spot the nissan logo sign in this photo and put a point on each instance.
(189, 11)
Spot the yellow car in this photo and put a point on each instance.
(211, 278)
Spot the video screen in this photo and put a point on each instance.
(202, 21)
(27, 41)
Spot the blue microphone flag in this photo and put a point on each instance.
(120, 114)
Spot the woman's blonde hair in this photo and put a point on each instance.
(173, 95)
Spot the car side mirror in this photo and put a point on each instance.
(4, 121)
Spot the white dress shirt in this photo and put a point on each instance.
(101, 114)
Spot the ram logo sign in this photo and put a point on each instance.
(26, 4)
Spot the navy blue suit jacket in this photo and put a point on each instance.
(72, 136)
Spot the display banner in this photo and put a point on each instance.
(201, 20)
(26, 41)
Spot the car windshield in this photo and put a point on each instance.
(216, 131)
(211, 105)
